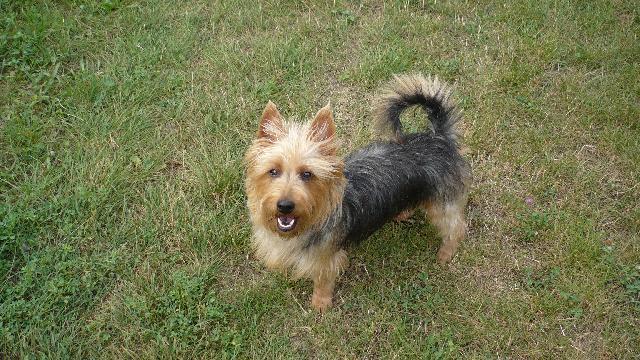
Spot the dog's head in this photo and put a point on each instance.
(294, 178)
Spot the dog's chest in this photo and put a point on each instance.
(289, 254)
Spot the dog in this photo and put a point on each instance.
(307, 205)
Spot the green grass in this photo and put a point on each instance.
(123, 229)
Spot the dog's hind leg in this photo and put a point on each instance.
(404, 215)
(449, 219)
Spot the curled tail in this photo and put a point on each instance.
(408, 90)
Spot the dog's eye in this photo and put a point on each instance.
(306, 175)
(274, 172)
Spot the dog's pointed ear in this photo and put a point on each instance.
(323, 128)
(271, 125)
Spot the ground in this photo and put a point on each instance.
(123, 226)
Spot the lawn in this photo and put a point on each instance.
(123, 226)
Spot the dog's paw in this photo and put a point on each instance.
(403, 216)
(321, 303)
(444, 256)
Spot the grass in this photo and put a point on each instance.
(123, 230)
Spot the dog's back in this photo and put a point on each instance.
(412, 170)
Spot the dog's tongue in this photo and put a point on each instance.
(286, 220)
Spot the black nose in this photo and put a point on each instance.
(286, 206)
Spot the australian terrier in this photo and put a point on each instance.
(307, 204)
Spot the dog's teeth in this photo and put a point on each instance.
(286, 223)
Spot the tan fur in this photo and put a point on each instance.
(448, 218)
(404, 215)
(293, 153)
(292, 149)
(283, 254)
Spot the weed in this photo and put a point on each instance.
(540, 279)
(533, 225)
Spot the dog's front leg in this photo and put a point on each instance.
(324, 281)
(322, 297)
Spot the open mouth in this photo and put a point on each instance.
(286, 223)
